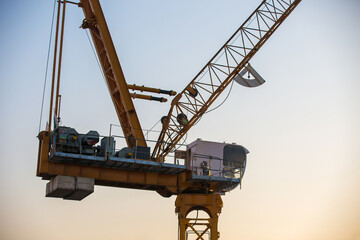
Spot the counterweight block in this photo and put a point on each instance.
(70, 188)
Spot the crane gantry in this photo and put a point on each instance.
(75, 162)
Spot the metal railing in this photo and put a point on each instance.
(205, 165)
(114, 145)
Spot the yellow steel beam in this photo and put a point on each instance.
(149, 89)
(147, 97)
(165, 184)
(210, 203)
(95, 21)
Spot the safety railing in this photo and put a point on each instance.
(70, 141)
(205, 165)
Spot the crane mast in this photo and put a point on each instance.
(196, 98)
(74, 163)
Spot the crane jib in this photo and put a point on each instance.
(219, 72)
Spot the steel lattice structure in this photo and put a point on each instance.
(189, 105)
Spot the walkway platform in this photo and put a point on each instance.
(117, 163)
(141, 165)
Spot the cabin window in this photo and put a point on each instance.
(234, 156)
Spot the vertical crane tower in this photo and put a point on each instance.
(74, 163)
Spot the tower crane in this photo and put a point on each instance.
(73, 163)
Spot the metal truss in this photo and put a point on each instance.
(200, 227)
(188, 106)
(112, 72)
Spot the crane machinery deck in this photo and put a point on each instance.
(74, 162)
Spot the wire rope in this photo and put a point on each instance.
(95, 55)
(232, 83)
(151, 129)
(47, 65)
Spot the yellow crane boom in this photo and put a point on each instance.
(196, 98)
(95, 22)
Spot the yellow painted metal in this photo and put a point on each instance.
(95, 21)
(147, 97)
(210, 203)
(149, 89)
(165, 184)
(219, 72)
(191, 99)
(59, 64)
(54, 67)
(43, 155)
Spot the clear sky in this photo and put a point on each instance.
(302, 126)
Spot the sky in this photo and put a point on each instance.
(302, 127)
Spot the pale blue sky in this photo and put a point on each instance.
(302, 126)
